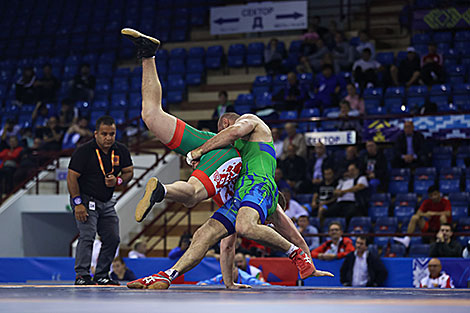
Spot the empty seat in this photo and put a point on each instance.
(288, 115)
(378, 211)
(404, 213)
(396, 250)
(419, 251)
(360, 225)
(385, 225)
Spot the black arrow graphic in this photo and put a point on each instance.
(294, 15)
(221, 20)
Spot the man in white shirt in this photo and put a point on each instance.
(436, 278)
(140, 249)
(278, 143)
(365, 70)
(293, 209)
(346, 191)
(240, 262)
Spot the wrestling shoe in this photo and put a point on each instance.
(303, 262)
(154, 192)
(105, 281)
(146, 46)
(85, 280)
(155, 281)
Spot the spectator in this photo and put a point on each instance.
(294, 95)
(407, 73)
(304, 65)
(281, 183)
(308, 46)
(323, 195)
(83, 85)
(40, 115)
(376, 167)
(9, 161)
(445, 246)
(365, 43)
(29, 162)
(335, 248)
(223, 106)
(316, 57)
(77, 134)
(365, 70)
(431, 66)
(352, 157)
(304, 227)
(318, 163)
(346, 123)
(433, 212)
(47, 86)
(316, 28)
(329, 37)
(120, 271)
(239, 276)
(466, 251)
(350, 201)
(296, 139)
(11, 128)
(272, 58)
(278, 143)
(356, 102)
(139, 251)
(436, 278)
(293, 168)
(25, 90)
(27, 138)
(183, 245)
(343, 54)
(362, 268)
(67, 114)
(293, 209)
(52, 135)
(410, 148)
(328, 87)
(241, 263)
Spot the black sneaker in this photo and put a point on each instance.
(146, 46)
(105, 281)
(154, 193)
(85, 280)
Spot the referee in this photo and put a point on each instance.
(94, 170)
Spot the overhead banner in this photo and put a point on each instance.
(331, 138)
(445, 18)
(258, 17)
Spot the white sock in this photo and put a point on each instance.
(291, 249)
(172, 273)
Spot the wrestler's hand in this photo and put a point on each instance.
(193, 156)
(238, 286)
(194, 164)
(319, 273)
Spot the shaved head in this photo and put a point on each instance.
(226, 120)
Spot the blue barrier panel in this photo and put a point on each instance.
(330, 266)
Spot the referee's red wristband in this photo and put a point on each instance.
(119, 181)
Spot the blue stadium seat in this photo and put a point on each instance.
(419, 251)
(360, 225)
(406, 199)
(118, 101)
(304, 198)
(404, 213)
(421, 39)
(194, 79)
(121, 84)
(375, 93)
(415, 91)
(263, 100)
(236, 55)
(261, 85)
(136, 83)
(449, 180)
(122, 72)
(378, 211)
(175, 96)
(178, 54)
(245, 99)
(101, 105)
(399, 180)
(380, 199)
(396, 105)
(135, 100)
(176, 83)
(415, 103)
(196, 53)
(279, 83)
(83, 107)
(440, 90)
(424, 178)
(255, 54)
(162, 55)
(198, 16)
(288, 115)
(463, 224)
(295, 45)
(312, 112)
(396, 250)
(459, 211)
(385, 58)
(105, 70)
(462, 102)
(118, 115)
(243, 109)
(177, 66)
(462, 36)
(385, 225)
(442, 157)
(395, 92)
(442, 37)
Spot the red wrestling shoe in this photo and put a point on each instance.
(303, 262)
(155, 281)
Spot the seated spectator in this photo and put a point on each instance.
(40, 115)
(407, 72)
(25, 90)
(77, 134)
(27, 138)
(272, 58)
(67, 114)
(343, 54)
(304, 65)
(52, 135)
(9, 161)
(224, 105)
(466, 251)
(241, 263)
(433, 212)
(293, 209)
(346, 123)
(293, 168)
(30, 160)
(352, 157)
(376, 167)
(365, 43)
(120, 271)
(294, 95)
(356, 102)
(304, 227)
(315, 167)
(316, 58)
(335, 248)
(431, 66)
(328, 87)
(365, 70)
(308, 46)
(183, 245)
(445, 246)
(362, 268)
(239, 276)
(437, 278)
(83, 85)
(329, 37)
(281, 183)
(47, 86)
(323, 195)
(278, 143)
(350, 201)
(11, 128)
(410, 148)
(296, 139)
(139, 251)
(315, 27)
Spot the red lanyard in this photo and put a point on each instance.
(101, 162)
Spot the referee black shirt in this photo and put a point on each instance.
(85, 161)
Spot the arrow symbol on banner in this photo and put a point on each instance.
(294, 15)
(221, 20)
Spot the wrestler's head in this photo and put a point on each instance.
(226, 120)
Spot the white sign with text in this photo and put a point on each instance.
(331, 138)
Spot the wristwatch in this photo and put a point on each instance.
(77, 200)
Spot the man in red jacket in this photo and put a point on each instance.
(9, 159)
(335, 248)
